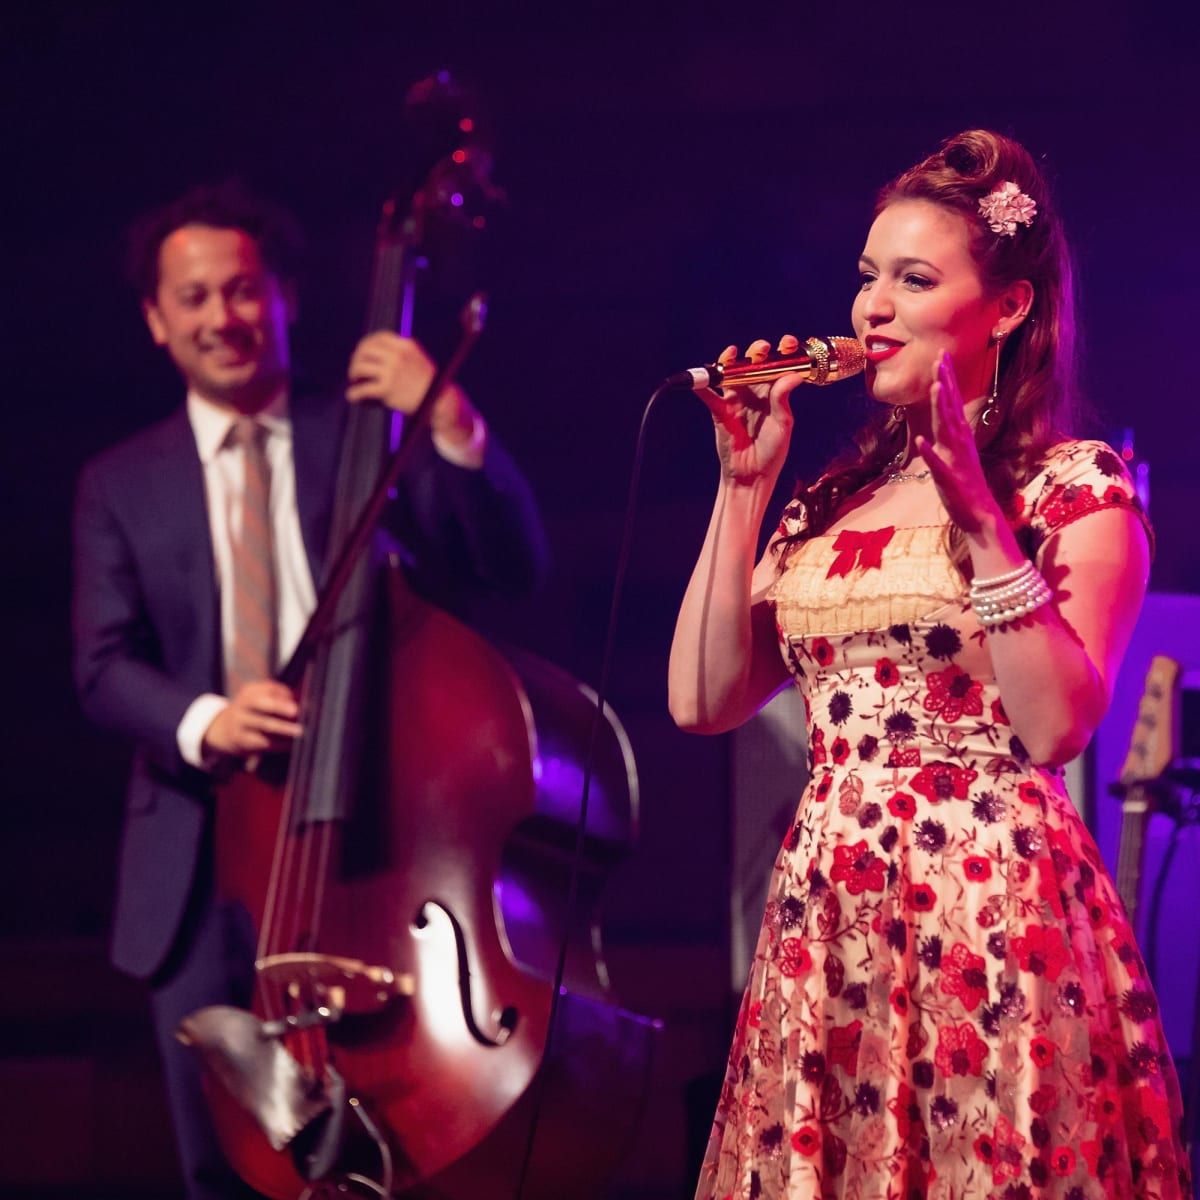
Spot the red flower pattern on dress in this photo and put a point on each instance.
(1126, 951)
(963, 975)
(822, 651)
(960, 1050)
(794, 958)
(1049, 888)
(1008, 1144)
(1041, 1052)
(816, 747)
(1031, 793)
(844, 1043)
(857, 868)
(1106, 1107)
(985, 1148)
(806, 1140)
(1066, 502)
(977, 869)
(901, 1107)
(1044, 1099)
(953, 694)
(1152, 1105)
(1060, 843)
(929, 804)
(1041, 950)
(938, 781)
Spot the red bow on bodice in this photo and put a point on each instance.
(865, 548)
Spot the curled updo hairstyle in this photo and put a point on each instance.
(1037, 363)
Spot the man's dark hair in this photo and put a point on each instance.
(227, 205)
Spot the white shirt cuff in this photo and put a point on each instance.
(189, 737)
(467, 454)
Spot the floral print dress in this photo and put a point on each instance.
(946, 1000)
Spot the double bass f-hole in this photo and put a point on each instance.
(436, 926)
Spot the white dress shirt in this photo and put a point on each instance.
(223, 464)
(224, 467)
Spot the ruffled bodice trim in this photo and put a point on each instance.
(919, 581)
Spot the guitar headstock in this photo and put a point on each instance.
(1155, 738)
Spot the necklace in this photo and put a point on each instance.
(897, 476)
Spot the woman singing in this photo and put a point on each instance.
(946, 999)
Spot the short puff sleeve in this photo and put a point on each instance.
(1075, 479)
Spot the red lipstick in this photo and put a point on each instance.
(879, 349)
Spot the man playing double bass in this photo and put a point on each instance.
(198, 546)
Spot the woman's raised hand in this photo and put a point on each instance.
(953, 455)
(753, 421)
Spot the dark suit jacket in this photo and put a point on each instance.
(146, 617)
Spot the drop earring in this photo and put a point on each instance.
(991, 413)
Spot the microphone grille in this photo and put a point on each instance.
(847, 357)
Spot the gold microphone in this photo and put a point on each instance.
(825, 360)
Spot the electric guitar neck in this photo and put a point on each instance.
(1152, 747)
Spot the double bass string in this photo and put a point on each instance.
(297, 885)
(390, 280)
(296, 890)
(309, 840)
(290, 869)
(272, 937)
(383, 316)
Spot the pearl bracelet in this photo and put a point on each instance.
(983, 585)
(1006, 597)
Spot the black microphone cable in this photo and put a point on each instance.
(602, 686)
(827, 360)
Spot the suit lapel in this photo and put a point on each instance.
(178, 503)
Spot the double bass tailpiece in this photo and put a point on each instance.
(247, 1055)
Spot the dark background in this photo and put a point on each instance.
(674, 184)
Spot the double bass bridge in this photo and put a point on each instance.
(328, 986)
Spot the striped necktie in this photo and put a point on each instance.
(252, 654)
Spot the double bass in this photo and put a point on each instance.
(405, 870)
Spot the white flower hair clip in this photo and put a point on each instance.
(1005, 207)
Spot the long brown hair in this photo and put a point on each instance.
(1036, 398)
